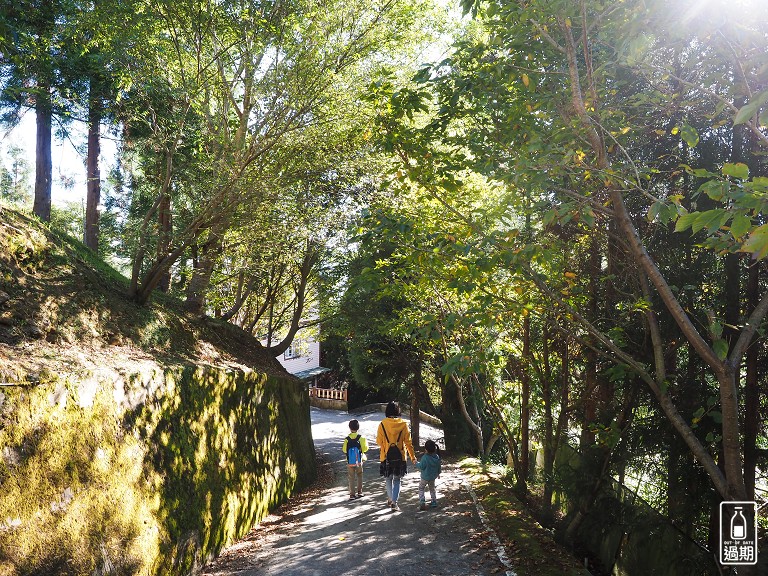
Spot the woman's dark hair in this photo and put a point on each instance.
(393, 410)
(354, 425)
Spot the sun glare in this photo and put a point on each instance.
(743, 12)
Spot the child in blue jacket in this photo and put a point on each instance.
(430, 470)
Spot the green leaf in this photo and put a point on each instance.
(653, 211)
(467, 6)
(686, 221)
(588, 217)
(757, 243)
(740, 225)
(739, 170)
(750, 109)
(690, 135)
(423, 75)
(720, 348)
(698, 172)
(617, 372)
(711, 220)
(758, 183)
(712, 437)
(715, 189)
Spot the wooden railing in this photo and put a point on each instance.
(328, 393)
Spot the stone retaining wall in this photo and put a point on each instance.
(149, 473)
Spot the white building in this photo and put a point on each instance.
(302, 359)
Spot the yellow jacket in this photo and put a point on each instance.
(395, 427)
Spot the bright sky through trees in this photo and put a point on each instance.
(68, 157)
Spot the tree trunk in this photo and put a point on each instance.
(93, 177)
(141, 289)
(201, 275)
(458, 434)
(525, 408)
(152, 278)
(741, 152)
(623, 420)
(752, 389)
(308, 263)
(476, 430)
(512, 447)
(415, 407)
(476, 415)
(732, 485)
(164, 227)
(43, 164)
(241, 295)
(732, 293)
(546, 398)
(587, 501)
(589, 400)
(562, 417)
(679, 460)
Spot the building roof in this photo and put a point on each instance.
(311, 373)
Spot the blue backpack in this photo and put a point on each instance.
(354, 451)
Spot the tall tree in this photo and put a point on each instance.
(31, 79)
(245, 81)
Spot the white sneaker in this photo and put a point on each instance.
(395, 507)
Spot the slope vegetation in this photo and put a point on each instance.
(62, 308)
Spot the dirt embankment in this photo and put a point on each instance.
(63, 309)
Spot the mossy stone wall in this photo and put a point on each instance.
(150, 473)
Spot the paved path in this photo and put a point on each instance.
(324, 533)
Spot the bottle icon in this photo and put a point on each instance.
(738, 525)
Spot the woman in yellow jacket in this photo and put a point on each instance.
(394, 430)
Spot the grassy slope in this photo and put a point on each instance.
(530, 547)
(67, 309)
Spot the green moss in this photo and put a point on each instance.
(151, 488)
(26, 247)
(72, 489)
(154, 490)
(531, 548)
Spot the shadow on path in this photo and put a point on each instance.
(321, 532)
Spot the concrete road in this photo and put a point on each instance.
(324, 533)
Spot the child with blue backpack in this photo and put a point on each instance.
(355, 447)
(430, 470)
